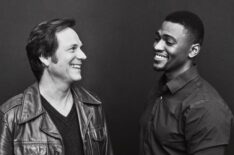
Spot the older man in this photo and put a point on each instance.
(54, 116)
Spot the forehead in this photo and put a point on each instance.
(68, 37)
(173, 29)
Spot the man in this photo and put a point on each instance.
(186, 115)
(53, 116)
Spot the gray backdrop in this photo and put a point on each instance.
(118, 37)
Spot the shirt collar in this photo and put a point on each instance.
(85, 96)
(180, 81)
(32, 106)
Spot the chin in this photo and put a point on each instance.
(77, 78)
(158, 68)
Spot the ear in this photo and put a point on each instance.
(45, 61)
(194, 50)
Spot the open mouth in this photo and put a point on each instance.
(76, 66)
(160, 56)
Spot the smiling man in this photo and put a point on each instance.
(54, 116)
(186, 115)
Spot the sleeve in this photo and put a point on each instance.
(6, 145)
(207, 126)
(212, 151)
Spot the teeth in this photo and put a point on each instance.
(161, 56)
(75, 66)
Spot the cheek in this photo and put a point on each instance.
(54, 59)
(178, 52)
(172, 52)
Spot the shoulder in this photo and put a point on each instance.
(85, 95)
(206, 105)
(90, 93)
(11, 103)
(205, 102)
(208, 119)
(9, 111)
(204, 95)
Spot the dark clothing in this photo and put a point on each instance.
(186, 115)
(68, 128)
(26, 128)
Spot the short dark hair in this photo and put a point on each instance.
(191, 22)
(42, 41)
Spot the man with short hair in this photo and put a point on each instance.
(186, 115)
(54, 116)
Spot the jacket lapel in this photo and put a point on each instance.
(85, 113)
(31, 102)
(32, 108)
(48, 127)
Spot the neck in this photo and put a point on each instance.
(54, 90)
(176, 72)
(57, 92)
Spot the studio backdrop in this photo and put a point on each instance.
(118, 38)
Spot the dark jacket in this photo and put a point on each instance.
(27, 129)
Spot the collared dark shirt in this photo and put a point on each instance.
(184, 116)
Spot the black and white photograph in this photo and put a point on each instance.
(116, 77)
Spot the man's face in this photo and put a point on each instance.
(172, 45)
(69, 57)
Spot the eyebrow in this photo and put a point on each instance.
(75, 45)
(165, 35)
(71, 46)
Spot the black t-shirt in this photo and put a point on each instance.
(68, 127)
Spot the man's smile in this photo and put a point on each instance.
(160, 56)
(76, 66)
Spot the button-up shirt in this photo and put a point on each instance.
(185, 115)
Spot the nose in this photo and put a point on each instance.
(80, 54)
(159, 46)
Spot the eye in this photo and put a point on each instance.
(72, 49)
(170, 41)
